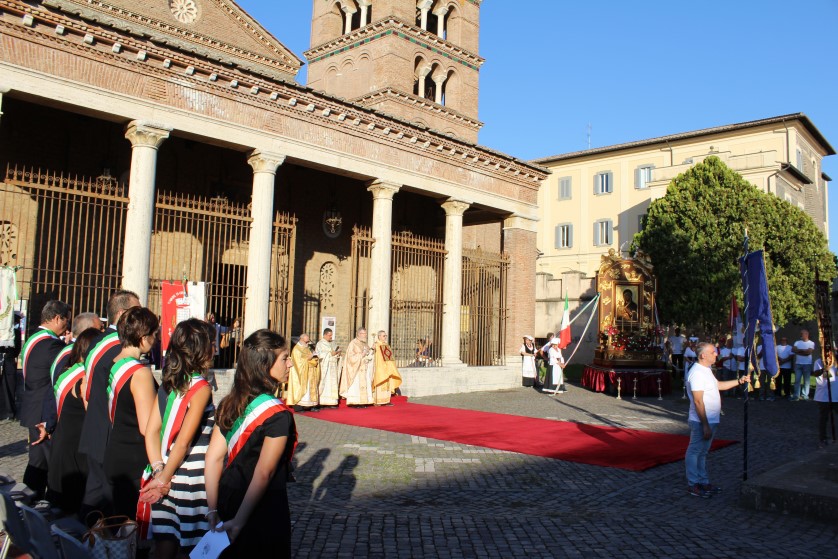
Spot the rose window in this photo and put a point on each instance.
(185, 11)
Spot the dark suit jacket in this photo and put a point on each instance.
(97, 424)
(38, 384)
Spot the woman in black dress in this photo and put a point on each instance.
(67, 467)
(256, 433)
(131, 395)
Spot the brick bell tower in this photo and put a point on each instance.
(413, 59)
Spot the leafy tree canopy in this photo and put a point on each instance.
(694, 237)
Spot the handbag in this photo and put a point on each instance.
(114, 537)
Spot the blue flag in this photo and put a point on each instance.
(758, 307)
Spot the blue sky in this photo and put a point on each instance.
(635, 70)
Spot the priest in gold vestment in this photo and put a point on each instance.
(304, 378)
(386, 377)
(356, 372)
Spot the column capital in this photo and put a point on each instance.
(424, 4)
(439, 77)
(441, 10)
(455, 207)
(520, 222)
(265, 161)
(146, 134)
(383, 190)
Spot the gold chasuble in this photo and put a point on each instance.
(386, 377)
(304, 378)
(356, 374)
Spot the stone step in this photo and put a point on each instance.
(806, 487)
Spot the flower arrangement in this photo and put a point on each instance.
(635, 341)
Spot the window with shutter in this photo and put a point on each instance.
(643, 176)
(603, 183)
(564, 188)
(564, 235)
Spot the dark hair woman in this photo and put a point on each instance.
(176, 437)
(131, 390)
(257, 434)
(67, 467)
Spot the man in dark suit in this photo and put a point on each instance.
(97, 425)
(37, 410)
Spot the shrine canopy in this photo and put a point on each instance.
(628, 331)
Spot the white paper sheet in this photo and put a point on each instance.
(211, 545)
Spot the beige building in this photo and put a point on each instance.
(597, 199)
(146, 140)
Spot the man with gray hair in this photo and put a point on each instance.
(356, 372)
(81, 322)
(705, 413)
(37, 355)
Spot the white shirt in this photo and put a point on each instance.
(740, 352)
(784, 351)
(676, 344)
(821, 390)
(803, 359)
(701, 379)
(726, 359)
(555, 356)
(689, 357)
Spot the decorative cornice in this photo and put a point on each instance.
(393, 26)
(282, 97)
(410, 100)
(120, 18)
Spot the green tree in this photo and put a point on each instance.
(694, 237)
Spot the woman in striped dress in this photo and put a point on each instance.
(177, 437)
(67, 467)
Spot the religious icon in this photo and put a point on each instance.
(627, 308)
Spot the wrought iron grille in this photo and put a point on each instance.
(362, 242)
(484, 311)
(64, 234)
(416, 299)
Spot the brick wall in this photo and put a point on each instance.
(520, 245)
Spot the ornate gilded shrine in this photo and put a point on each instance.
(628, 333)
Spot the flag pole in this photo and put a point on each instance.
(748, 353)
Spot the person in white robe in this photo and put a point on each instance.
(329, 368)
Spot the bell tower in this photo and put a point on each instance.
(413, 59)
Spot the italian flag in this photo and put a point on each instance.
(564, 333)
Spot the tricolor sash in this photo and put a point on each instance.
(35, 339)
(121, 373)
(57, 365)
(176, 407)
(95, 355)
(65, 384)
(262, 408)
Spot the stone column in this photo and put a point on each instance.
(349, 11)
(452, 282)
(365, 4)
(424, 7)
(145, 140)
(3, 90)
(439, 79)
(381, 256)
(257, 298)
(519, 242)
(440, 17)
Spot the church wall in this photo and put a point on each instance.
(486, 236)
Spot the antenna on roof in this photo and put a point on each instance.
(589, 135)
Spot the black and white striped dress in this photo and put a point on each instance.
(181, 515)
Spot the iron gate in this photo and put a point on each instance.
(65, 237)
(483, 314)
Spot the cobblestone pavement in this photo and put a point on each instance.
(367, 493)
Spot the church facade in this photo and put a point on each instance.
(157, 140)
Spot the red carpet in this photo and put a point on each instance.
(614, 447)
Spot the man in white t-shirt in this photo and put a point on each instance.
(677, 343)
(705, 412)
(803, 350)
(726, 361)
(785, 358)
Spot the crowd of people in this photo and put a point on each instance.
(106, 437)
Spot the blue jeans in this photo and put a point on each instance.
(695, 459)
(802, 373)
